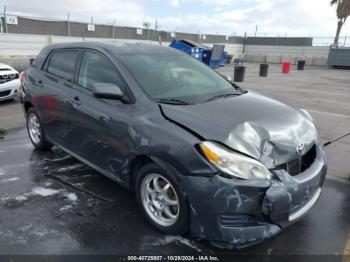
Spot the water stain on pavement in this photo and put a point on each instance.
(57, 205)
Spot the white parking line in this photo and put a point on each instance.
(329, 114)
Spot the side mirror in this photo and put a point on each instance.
(107, 91)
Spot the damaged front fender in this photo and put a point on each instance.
(235, 213)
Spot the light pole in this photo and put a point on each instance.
(113, 28)
(68, 25)
(147, 25)
(5, 20)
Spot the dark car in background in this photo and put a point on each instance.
(201, 154)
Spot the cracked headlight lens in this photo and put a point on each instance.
(232, 163)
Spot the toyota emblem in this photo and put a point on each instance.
(301, 149)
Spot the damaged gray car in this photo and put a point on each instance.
(201, 154)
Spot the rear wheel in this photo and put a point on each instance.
(36, 131)
(161, 200)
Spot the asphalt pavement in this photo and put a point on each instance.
(52, 204)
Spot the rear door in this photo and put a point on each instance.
(99, 126)
(55, 103)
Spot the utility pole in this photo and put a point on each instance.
(113, 28)
(256, 30)
(147, 25)
(345, 40)
(68, 24)
(244, 41)
(1, 27)
(5, 20)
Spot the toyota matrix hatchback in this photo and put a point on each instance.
(201, 154)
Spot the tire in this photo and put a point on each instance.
(36, 131)
(173, 226)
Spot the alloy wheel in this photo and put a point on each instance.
(160, 200)
(34, 128)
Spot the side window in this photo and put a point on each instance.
(62, 64)
(96, 68)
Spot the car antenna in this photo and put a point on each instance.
(336, 139)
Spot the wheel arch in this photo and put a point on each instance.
(27, 105)
(142, 160)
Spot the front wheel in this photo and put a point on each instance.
(161, 200)
(36, 131)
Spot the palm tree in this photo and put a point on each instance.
(343, 11)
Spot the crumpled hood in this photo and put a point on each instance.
(250, 124)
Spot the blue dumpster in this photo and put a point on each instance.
(188, 47)
(213, 57)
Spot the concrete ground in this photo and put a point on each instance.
(52, 204)
(11, 115)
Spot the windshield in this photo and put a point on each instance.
(177, 78)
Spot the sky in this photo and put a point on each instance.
(226, 17)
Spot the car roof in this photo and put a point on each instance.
(116, 48)
(120, 48)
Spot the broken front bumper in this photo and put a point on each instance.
(234, 213)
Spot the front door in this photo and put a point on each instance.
(99, 126)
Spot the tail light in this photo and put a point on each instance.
(22, 77)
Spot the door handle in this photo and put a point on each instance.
(76, 100)
(39, 82)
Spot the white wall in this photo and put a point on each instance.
(307, 51)
(30, 45)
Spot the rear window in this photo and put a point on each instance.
(62, 64)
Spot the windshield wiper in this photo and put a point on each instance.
(221, 96)
(173, 101)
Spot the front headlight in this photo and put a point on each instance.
(232, 163)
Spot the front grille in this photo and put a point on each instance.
(5, 93)
(300, 164)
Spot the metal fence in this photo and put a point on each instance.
(344, 41)
(46, 26)
(16, 24)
